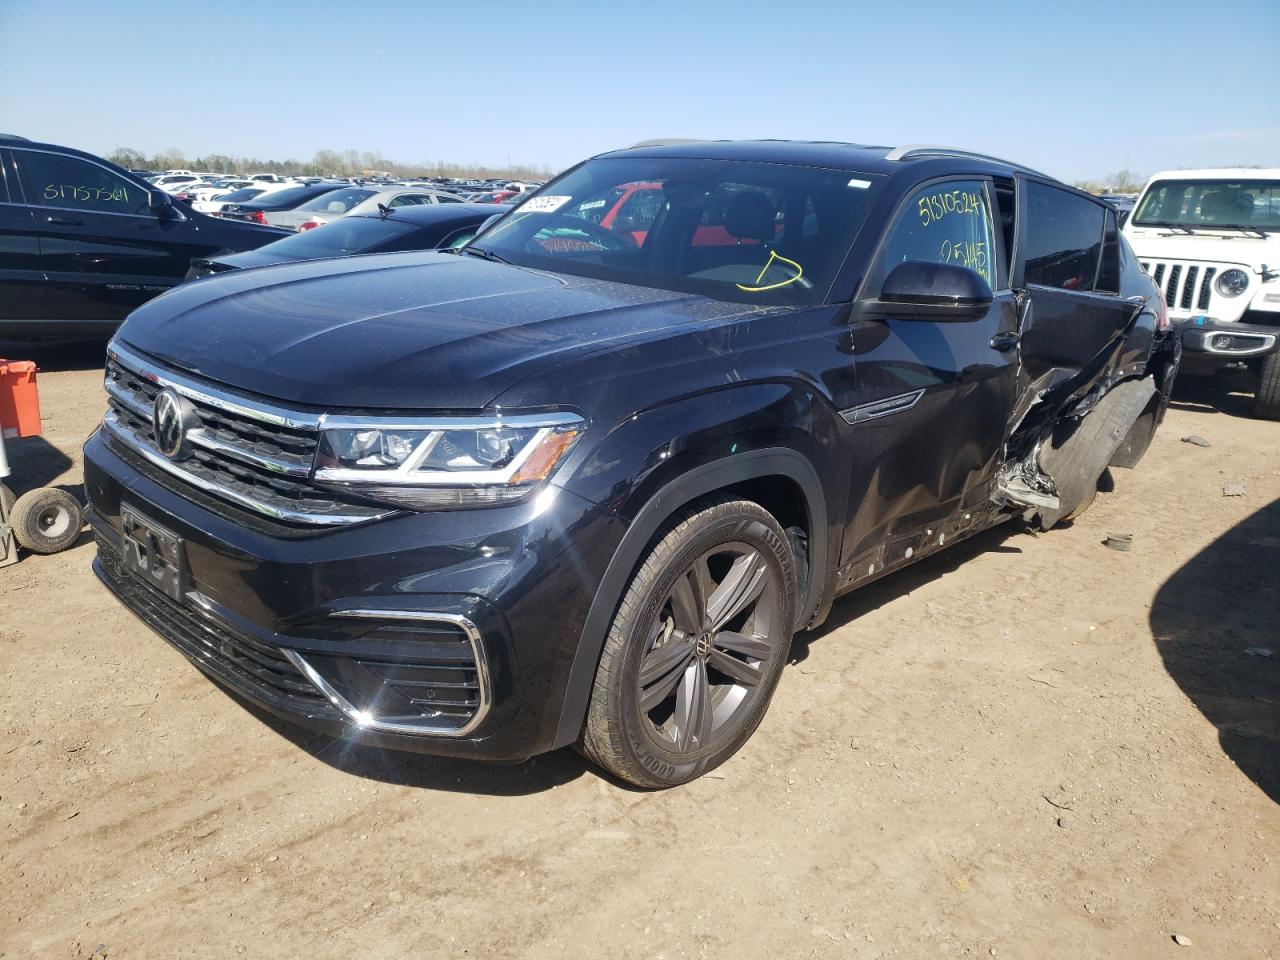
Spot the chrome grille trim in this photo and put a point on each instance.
(203, 393)
(201, 438)
(153, 456)
(366, 721)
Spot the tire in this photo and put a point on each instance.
(707, 618)
(1266, 396)
(46, 520)
(1105, 484)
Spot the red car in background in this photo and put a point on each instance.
(632, 208)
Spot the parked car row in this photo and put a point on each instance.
(84, 242)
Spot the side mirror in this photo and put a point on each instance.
(917, 290)
(161, 205)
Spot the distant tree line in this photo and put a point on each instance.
(1126, 181)
(345, 163)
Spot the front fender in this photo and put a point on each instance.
(664, 458)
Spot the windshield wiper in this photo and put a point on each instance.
(1243, 228)
(1165, 224)
(484, 254)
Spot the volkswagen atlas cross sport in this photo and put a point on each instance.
(579, 483)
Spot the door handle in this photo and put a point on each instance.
(66, 221)
(1004, 341)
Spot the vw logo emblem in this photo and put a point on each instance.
(171, 418)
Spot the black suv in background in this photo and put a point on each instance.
(580, 482)
(83, 242)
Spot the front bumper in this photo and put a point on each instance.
(447, 633)
(1229, 341)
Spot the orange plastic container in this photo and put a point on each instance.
(19, 398)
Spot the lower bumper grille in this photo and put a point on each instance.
(254, 669)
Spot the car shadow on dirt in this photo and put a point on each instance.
(404, 769)
(1220, 394)
(1216, 623)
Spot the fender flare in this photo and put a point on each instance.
(697, 482)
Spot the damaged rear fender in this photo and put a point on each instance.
(1077, 451)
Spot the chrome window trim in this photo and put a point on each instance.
(155, 458)
(365, 721)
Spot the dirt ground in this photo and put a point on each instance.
(1028, 747)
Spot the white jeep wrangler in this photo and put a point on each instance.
(1211, 241)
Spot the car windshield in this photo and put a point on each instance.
(763, 233)
(345, 200)
(341, 238)
(288, 195)
(1211, 204)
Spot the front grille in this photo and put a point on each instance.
(247, 453)
(254, 669)
(1185, 286)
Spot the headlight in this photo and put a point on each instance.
(450, 462)
(1232, 283)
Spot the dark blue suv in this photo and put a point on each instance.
(581, 481)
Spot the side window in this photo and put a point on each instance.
(1063, 238)
(54, 180)
(1109, 269)
(409, 200)
(4, 187)
(447, 198)
(943, 223)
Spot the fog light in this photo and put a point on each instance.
(1222, 342)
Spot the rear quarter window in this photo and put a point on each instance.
(1062, 241)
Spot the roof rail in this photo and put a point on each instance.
(664, 142)
(916, 150)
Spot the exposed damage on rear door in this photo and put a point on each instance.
(1096, 366)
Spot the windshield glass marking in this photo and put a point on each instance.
(773, 258)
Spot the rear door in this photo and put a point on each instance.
(1074, 321)
(102, 248)
(22, 283)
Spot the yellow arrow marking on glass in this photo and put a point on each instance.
(773, 255)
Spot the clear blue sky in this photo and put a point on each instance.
(1079, 90)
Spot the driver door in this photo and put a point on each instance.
(925, 426)
(102, 248)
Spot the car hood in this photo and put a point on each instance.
(398, 331)
(1226, 247)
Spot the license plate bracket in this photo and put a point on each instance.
(153, 553)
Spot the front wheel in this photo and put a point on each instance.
(696, 647)
(1266, 398)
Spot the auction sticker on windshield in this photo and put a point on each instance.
(542, 204)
